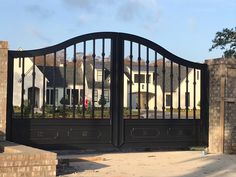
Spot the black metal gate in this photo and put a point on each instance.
(106, 90)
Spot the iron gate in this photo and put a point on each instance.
(106, 90)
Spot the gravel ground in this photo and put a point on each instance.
(147, 164)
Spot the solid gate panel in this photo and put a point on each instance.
(55, 134)
(162, 131)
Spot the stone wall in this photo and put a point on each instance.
(3, 87)
(222, 105)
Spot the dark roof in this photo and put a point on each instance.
(49, 73)
(59, 75)
(70, 75)
(89, 75)
(160, 74)
(168, 76)
(142, 67)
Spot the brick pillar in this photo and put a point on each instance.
(222, 105)
(3, 87)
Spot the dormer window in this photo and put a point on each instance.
(99, 75)
(140, 77)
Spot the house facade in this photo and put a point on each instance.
(27, 69)
(179, 85)
(59, 78)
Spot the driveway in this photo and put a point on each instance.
(148, 164)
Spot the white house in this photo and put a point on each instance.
(99, 76)
(55, 78)
(28, 86)
(186, 97)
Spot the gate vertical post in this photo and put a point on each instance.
(10, 78)
(204, 114)
(117, 77)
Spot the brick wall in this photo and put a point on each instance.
(3, 87)
(18, 160)
(222, 105)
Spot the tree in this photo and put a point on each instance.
(226, 40)
(102, 101)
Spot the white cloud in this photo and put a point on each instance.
(86, 5)
(38, 34)
(147, 10)
(40, 11)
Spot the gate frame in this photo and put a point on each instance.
(116, 89)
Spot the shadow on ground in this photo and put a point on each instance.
(70, 165)
(216, 165)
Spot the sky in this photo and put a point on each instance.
(184, 27)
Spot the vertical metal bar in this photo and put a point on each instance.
(54, 85)
(94, 55)
(186, 94)
(64, 86)
(84, 58)
(194, 93)
(33, 85)
(155, 80)
(130, 80)
(179, 91)
(171, 90)
(44, 70)
(139, 63)
(74, 81)
(147, 84)
(22, 87)
(103, 76)
(163, 88)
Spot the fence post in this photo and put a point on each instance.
(222, 105)
(3, 87)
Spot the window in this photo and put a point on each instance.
(154, 77)
(47, 96)
(168, 100)
(72, 96)
(95, 95)
(198, 75)
(68, 96)
(99, 75)
(148, 78)
(75, 96)
(81, 96)
(142, 78)
(50, 97)
(19, 62)
(187, 99)
(106, 95)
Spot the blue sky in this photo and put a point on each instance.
(185, 28)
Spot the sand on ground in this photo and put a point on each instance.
(148, 164)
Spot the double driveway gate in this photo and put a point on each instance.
(106, 90)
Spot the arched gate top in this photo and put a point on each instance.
(108, 35)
